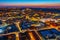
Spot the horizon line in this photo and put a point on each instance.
(32, 5)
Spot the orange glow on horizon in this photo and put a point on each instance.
(29, 4)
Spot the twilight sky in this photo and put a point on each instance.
(18, 2)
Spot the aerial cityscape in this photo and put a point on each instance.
(29, 23)
(29, 20)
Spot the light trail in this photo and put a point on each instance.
(31, 36)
